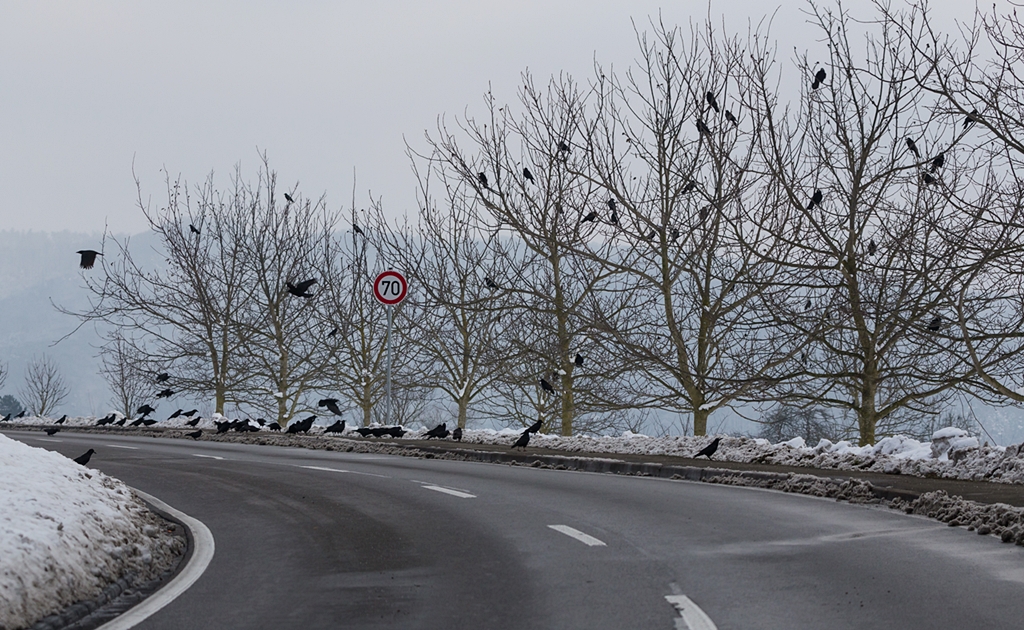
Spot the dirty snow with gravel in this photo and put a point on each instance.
(67, 532)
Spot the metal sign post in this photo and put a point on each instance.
(390, 288)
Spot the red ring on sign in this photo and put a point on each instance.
(390, 299)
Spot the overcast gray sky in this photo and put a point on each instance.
(322, 87)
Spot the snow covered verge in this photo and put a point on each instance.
(951, 454)
(67, 532)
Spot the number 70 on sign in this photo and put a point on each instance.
(390, 287)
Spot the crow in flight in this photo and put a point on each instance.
(195, 435)
(165, 393)
(913, 148)
(578, 360)
(337, 427)
(712, 101)
(710, 449)
(483, 180)
(62, 419)
(193, 229)
(440, 431)
(935, 324)
(145, 410)
(731, 118)
(938, 161)
(288, 198)
(546, 386)
(331, 404)
(490, 284)
(88, 258)
(52, 430)
(457, 434)
(535, 427)
(528, 175)
(815, 199)
(302, 288)
(523, 440)
(819, 78)
(193, 422)
(83, 459)
(591, 216)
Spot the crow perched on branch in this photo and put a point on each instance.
(935, 324)
(546, 386)
(702, 128)
(971, 119)
(872, 247)
(578, 360)
(528, 175)
(913, 148)
(163, 377)
(482, 178)
(88, 258)
(288, 198)
(563, 147)
(712, 101)
(591, 216)
(819, 78)
(938, 162)
(302, 288)
(193, 229)
(815, 199)
(490, 284)
(731, 118)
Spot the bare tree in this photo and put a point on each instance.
(692, 274)
(868, 227)
(44, 388)
(125, 372)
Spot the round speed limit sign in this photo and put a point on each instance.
(390, 288)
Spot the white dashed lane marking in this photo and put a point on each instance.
(571, 532)
(454, 493)
(691, 617)
(341, 470)
(134, 448)
(206, 456)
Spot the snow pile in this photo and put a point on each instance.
(66, 532)
(952, 453)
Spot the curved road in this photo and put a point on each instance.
(317, 539)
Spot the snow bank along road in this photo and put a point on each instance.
(317, 539)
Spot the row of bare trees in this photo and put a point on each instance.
(687, 237)
(44, 388)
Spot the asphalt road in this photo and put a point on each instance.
(318, 539)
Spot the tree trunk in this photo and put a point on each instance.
(463, 410)
(700, 421)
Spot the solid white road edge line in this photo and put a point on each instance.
(571, 532)
(206, 456)
(134, 448)
(454, 493)
(691, 617)
(202, 553)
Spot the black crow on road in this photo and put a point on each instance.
(195, 435)
(52, 430)
(709, 450)
(88, 258)
(440, 431)
(288, 198)
(523, 440)
(712, 101)
(165, 393)
(337, 427)
(145, 410)
(83, 459)
(175, 414)
(193, 422)
(535, 427)
(62, 419)
(302, 288)
(913, 148)
(457, 434)
(163, 377)
(528, 175)
(546, 386)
